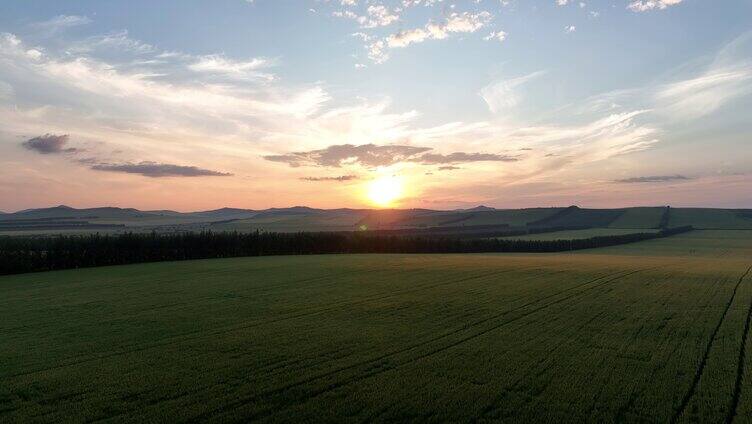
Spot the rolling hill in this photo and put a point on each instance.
(300, 218)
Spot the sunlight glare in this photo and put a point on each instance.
(385, 190)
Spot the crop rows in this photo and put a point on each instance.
(468, 338)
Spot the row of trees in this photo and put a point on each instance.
(26, 254)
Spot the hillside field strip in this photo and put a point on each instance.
(655, 331)
(579, 234)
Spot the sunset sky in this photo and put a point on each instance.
(192, 105)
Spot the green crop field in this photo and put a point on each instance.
(639, 218)
(579, 234)
(725, 219)
(656, 331)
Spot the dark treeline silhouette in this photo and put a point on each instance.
(29, 254)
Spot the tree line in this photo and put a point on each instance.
(30, 254)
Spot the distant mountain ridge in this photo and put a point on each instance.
(481, 208)
(64, 210)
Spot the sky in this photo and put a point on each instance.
(196, 105)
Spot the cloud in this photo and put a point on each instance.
(646, 5)
(727, 77)
(119, 40)
(368, 155)
(377, 15)
(456, 22)
(500, 36)
(155, 106)
(691, 91)
(62, 22)
(448, 168)
(572, 146)
(704, 94)
(502, 95)
(462, 157)
(158, 170)
(218, 64)
(372, 156)
(338, 178)
(405, 38)
(49, 144)
(162, 82)
(654, 179)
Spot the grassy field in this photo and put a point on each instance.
(579, 234)
(703, 244)
(639, 218)
(724, 219)
(656, 331)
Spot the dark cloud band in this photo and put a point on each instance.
(159, 170)
(654, 179)
(49, 144)
(338, 178)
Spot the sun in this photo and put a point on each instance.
(385, 190)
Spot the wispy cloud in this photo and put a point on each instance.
(219, 64)
(372, 156)
(654, 179)
(502, 95)
(159, 170)
(159, 82)
(704, 94)
(462, 157)
(118, 40)
(61, 22)
(368, 155)
(691, 91)
(340, 178)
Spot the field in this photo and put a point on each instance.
(639, 218)
(579, 234)
(656, 331)
(724, 219)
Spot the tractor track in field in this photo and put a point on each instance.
(740, 365)
(184, 337)
(378, 369)
(319, 311)
(703, 362)
(380, 297)
(493, 406)
(473, 336)
(622, 411)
